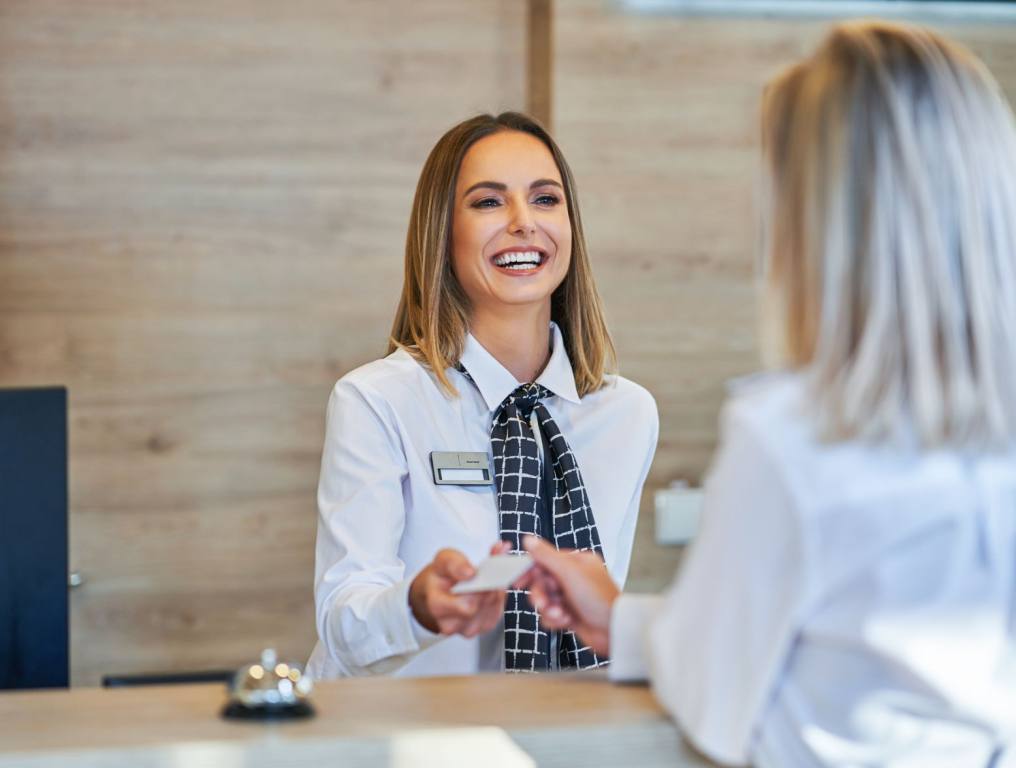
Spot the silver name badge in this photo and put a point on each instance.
(461, 468)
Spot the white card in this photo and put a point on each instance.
(496, 572)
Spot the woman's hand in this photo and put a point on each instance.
(571, 590)
(438, 610)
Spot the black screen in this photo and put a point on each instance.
(33, 538)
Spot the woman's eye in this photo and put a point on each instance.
(547, 200)
(487, 202)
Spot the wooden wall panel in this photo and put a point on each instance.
(202, 208)
(658, 116)
(202, 213)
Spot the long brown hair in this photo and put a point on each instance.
(433, 315)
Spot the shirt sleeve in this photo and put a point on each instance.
(361, 589)
(619, 571)
(725, 627)
(629, 634)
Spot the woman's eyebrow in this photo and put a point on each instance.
(545, 183)
(496, 185)
(499, 187)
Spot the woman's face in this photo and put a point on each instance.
(511, 237)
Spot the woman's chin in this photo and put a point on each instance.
(516, 291)
(522, 298)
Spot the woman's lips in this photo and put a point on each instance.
(518, 263)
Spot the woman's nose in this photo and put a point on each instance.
(522, 222)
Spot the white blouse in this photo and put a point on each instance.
(382, 518)
(843, 604)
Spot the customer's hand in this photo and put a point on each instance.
(438, 610)
(571, 590)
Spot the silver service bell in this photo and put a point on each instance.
(269, 690)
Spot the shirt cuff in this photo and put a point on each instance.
(424, 637)
(629, 633)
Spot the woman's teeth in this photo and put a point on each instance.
(518, 260)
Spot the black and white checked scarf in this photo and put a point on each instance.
(518, 478)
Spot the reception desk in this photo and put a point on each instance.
(492, 721)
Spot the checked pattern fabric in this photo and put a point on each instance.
(519, 478)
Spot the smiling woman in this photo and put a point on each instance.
(498, 363)
(511, 244)
(510, 214)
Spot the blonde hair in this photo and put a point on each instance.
(433, 315)
(891, 159)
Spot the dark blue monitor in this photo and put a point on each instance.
(33, 538)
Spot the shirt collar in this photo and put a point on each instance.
(495, 382)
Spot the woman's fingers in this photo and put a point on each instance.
(453, 565)
(501, 548)
(574, 582)
(487, 615)
(438, 609)
(569, 589)
(467, 615)
(444, 604)
(526, 579)
(539, 588)
(556, 618)
(547, 584)
(547, 598)
(489, 609)
(568, 567)
(543, 588)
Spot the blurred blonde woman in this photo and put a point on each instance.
(850, 598)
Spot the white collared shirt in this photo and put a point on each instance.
(382, 518)
(844, 604)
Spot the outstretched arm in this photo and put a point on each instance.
(571, 590)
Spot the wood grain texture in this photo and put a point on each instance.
(347, 707)
(564, 720)
(540, 61)
(658, 116)
(202, 211)
(202, 216)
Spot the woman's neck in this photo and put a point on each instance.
(519, 339)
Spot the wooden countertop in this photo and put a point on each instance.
(565, 719)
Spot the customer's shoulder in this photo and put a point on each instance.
(767, 414)
(764, 401)
(772, 421)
